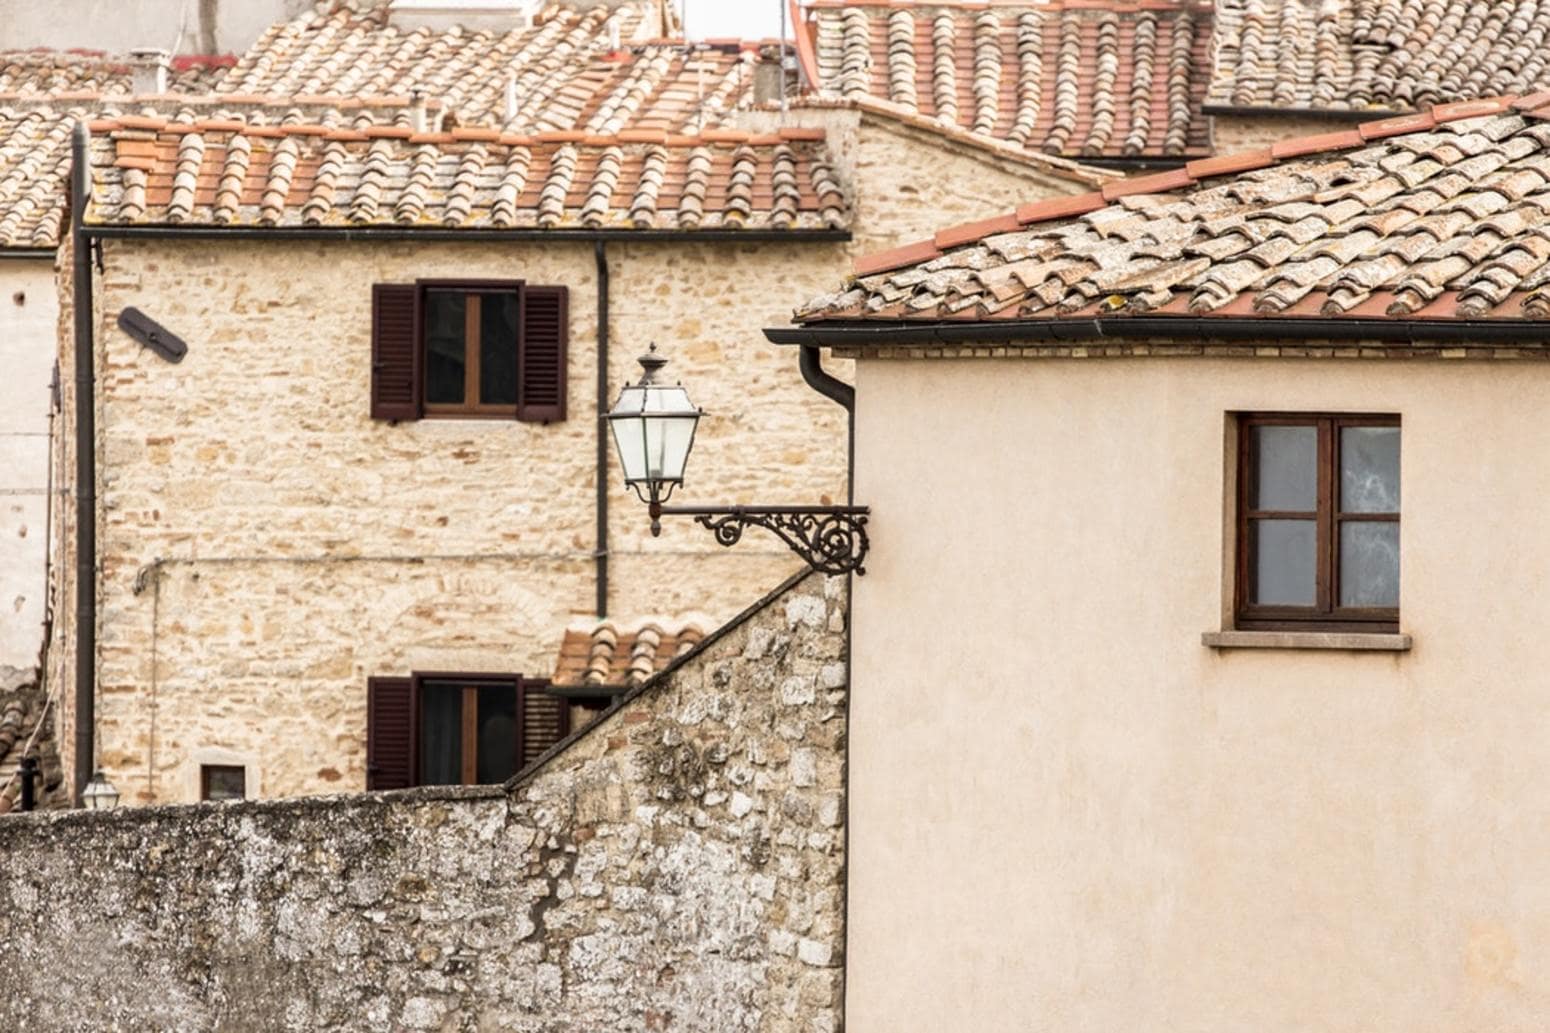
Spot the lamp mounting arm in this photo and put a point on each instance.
(831, 539)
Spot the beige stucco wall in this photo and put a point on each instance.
(29, 313)
(1233, 133)
(1068, 814)
(266, 547)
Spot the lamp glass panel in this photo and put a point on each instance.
(630, 442)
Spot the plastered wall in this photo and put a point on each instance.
(1068, 813)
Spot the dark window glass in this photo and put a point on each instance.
(1318, 530)
(441, 734)
(223, 782)
(446, 347)
(497, 734)
(498, 348)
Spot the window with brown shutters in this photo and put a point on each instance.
(469, 349)
(458, 729)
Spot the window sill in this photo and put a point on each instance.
(1351, 641)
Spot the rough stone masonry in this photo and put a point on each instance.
(678, 865)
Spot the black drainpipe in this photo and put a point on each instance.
(85, 471)
(600, 253)
(838, 391)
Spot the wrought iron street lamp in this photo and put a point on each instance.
(99, 794)
(653, 425)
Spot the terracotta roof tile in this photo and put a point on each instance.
(264, 176)
(623, 654)
(1451, 219)
(1375, 55)
(1082, 78)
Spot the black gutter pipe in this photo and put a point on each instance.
(600, 255)
(470, 236)
(85, 470)
(820, 380)
(1191, 329)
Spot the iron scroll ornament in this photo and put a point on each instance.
(831, 539)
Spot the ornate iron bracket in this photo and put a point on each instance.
(832, 539)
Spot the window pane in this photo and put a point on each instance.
(1369, 563)
(1288, 468)
(225, 783)
(1283, 558)
(1369, 470)
(445, 333)
(498, 348)
(441, 734)
(497, 733)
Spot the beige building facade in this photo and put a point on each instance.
(1154, 833)
(267, 547)
(29, 317)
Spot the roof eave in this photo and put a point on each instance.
(863, 333)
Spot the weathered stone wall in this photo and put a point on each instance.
(27, 730)
(29, 313)
(679, 866)
(266, 547)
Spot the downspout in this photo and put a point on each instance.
(85, 470)
(600, 253)
(837, 391)
(811, 364)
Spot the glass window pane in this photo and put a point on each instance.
(1284, 564)
(498, 348)
(497, 733)
(1369, 563)
(445, 346)
(441, 734)
(225, 783)
(1287, 459)
(1369, 470)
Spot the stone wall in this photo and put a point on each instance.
(677, 866)
(1233, 133)
(266, 547)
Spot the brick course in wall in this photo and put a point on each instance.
(676, 866)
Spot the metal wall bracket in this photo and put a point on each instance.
(152, 334)
(832, 539)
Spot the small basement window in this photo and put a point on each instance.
(1318, 523)
(223, 782)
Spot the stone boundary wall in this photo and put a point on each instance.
(678, 865)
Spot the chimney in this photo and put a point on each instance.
(511, 99)
(768, 78)
(417, 111)
(148, 70)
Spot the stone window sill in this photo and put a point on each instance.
(1340, 640)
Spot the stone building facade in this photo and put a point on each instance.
(267, 547)
(679, 865)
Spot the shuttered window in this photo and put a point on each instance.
(469, 348)
(458, 729)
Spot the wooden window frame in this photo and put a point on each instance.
(471, 363)
(469, 717)
(1326, 614)
(205, 771)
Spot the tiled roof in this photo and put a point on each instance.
(623, 654)
(34, 174)
(561, 74)
(1439, 215)
(215, 172)
(1376, 55)
(1082, 78)
(91, 72)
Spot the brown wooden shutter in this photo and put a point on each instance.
(395, 352)
(390, 732)
(545, 721)
(542, 353)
